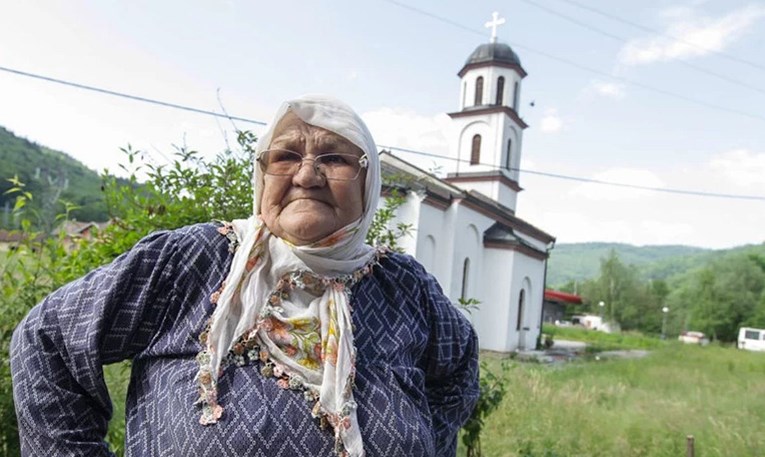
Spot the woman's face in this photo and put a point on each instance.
(307, 207)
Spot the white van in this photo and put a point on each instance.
(751, 339)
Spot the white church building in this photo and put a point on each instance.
(465, 230)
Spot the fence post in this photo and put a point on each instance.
(689, 446)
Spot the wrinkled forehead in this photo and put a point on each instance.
(291, 132)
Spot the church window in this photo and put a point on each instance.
(465, 273)
(516, 94)
(500, 90)
(475, 150)
(521, 299)
(464, 93)
(509, 156)
(478, 91)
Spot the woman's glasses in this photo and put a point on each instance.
(339, 167)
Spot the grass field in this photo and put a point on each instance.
(633, 407)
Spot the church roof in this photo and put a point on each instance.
(441, 193)
(500, 234)
(495, 53)
(562, 297)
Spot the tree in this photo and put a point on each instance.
(721, 297)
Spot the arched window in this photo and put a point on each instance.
(500, 90)
(465, 273)
(516, 94)
(475, 150)
(464, 93)
(521, 299)
(509, 156)
(478, 91)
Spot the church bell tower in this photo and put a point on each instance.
(488, 129)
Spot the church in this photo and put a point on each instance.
(465, 230)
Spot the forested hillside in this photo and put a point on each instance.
(715, 292)
(580, 261)
(50, 176)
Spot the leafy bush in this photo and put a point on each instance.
(192, 189)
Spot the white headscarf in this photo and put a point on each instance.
(259, 268)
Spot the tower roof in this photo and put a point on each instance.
(496, 54)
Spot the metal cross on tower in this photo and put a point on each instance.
(493, 23)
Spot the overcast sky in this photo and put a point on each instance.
(657, 93)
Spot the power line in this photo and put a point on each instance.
(652, 30)
(128, 96)
(588, 69)
(590, 180)
(624, 40)
(252, 121)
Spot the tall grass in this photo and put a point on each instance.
(635, 407)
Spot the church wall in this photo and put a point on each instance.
(483, 127)
(492, 319)
(528, 274)
(409, 213)
(467, 99)
(508, 272)
(490, 77)
(514, 134)
(431, 240)
(488, 188)
(434, 243)
(506, 196)
(468, 231)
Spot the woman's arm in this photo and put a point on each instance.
(58, 350)
(451, 367)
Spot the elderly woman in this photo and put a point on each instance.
(280, 335)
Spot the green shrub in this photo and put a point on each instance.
(190, 190)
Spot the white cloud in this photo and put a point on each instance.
(577, 212)
(395, 127)
(551, 122)
(609, 90)
(629, 176)
(740, 167)
(691, 35)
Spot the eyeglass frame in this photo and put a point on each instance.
(363, 163)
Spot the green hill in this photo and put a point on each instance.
(580, 261)
(49, 175)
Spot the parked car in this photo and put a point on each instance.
(591, 322)
(691, 337)
(751, 339)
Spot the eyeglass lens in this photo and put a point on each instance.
(282, 162)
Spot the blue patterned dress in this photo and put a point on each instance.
(417, 365)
